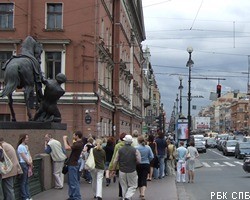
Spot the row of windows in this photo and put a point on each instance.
(53, 18)
(53, 63)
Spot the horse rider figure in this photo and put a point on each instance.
(38, 76)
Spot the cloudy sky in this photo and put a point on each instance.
(219, 33)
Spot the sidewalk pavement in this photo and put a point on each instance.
(160, 189)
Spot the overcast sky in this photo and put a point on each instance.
(219, 33)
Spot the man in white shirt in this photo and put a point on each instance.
(181, 164)
(54, 148)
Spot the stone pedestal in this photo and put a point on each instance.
(10, 131)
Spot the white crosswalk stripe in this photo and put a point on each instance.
(222, 164)
(238, 162)
(229, 164)
(218, 164)
(205, 164)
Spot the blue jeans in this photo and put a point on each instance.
(24, 182)
(8, 188)
(162, 165)
(74, 184)
(88, 175)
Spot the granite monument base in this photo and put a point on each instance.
(10, 131)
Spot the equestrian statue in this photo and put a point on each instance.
(23, 71)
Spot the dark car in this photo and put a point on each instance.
(246, 164)
(242, 149)
(228, 147)
(200, 146)
(219, 145)
(211, 143)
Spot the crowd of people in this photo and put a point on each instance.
(132, 161)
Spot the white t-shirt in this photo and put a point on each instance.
(22, 149)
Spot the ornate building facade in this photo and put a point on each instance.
(97, 45)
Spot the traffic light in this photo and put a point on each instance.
(218, 90)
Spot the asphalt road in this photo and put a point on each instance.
(221, 177)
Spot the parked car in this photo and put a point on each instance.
(211, 143)
(242, 149)
(200, 146)
(228, 147)
(246, 164)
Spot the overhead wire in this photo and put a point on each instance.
(196, 15)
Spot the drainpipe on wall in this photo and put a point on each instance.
(29, 17)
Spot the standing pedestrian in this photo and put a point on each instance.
(73, 165)
(9, 179)
(153, 163)
(54, 148)
(97, 173)
(119, 145)
(161, 153)
(26, 163)
(144, 167)
(86, 151)
(181, 152)
(193, 154)
(171, 158)
(109, 150)
(127, 158)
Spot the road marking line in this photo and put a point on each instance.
(238, 162)
(205, 164)
(229, 164)
(218, 164)
(220, 154)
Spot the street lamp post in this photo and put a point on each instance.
(180, 88)
(189, 65)
(177, 103)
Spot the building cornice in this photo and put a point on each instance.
(10, 41)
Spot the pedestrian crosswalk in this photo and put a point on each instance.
(222, 164)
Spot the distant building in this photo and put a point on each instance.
(229, 113)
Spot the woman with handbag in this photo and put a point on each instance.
(14, 169)
(97, 173)
(26, 163)
(192, 154)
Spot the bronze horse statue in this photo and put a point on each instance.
(23, 71)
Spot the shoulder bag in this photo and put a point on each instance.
(90, 162)
(65, 168)
(6, 165)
